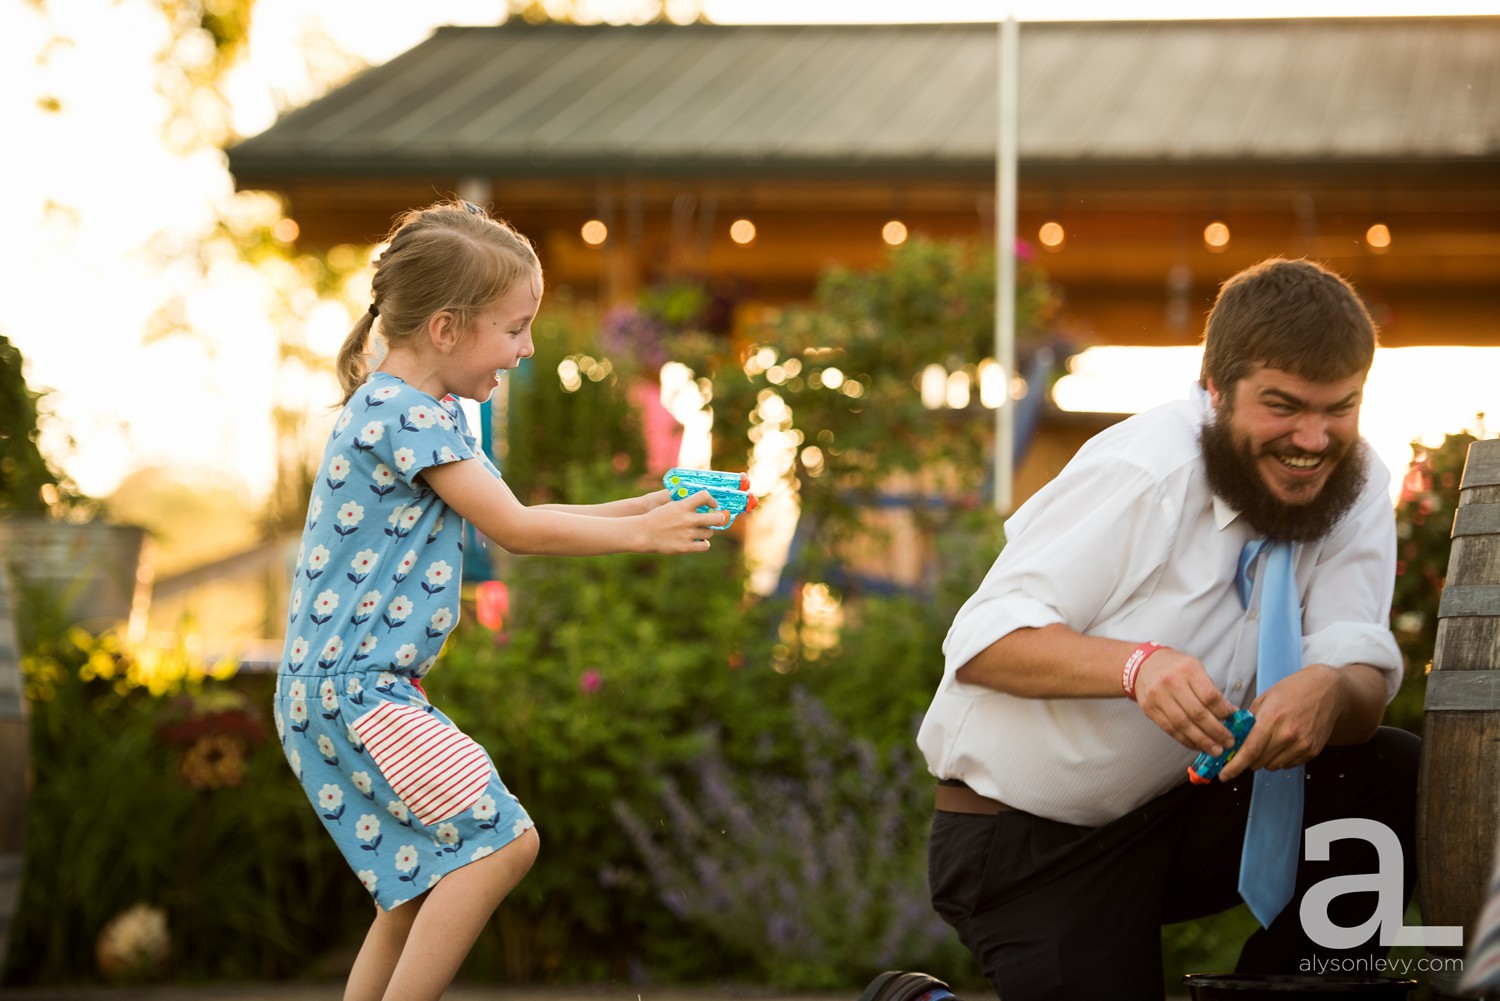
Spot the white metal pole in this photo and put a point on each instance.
(1009, 104)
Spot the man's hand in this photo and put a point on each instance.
(1305, 712)
(1176, 693)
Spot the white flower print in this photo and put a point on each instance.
(361, 782)
(368, 828)
(406, 858)
(364, 561)
(330, 797)
(338, 468)
(294, 759)
(426, 665)
(371, 433)
(296, 601)
(446, 454)
(329, 695)
(420, 416)
(324, 607)
(404, 458)
(369, 879)
(386, 681)
(296, 690)
(298, 652)
(438, 575)
(280, 722)
(402, 520)
(368, 603)
(445, 419)
(317, 562)
(484, 807)
(405, 566)
(383, 393)
(344, 419)
(397, 809)
(366, 647)
(406, 654)
(446, 834)
(350, 515)
(297, 712)
(354, 739)
(437, 527)
(481, 852)
(331, 651)
(355, 687)
(396, 612)
(384, 480)
(441, 620)
(521, 827)
(314, 510)
(325, 747)
(433, 880)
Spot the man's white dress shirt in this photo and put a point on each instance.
(1129, 543)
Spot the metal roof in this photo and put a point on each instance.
(550, 100)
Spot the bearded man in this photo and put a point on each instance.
(1119, 628)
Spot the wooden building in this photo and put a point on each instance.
(1372, 145)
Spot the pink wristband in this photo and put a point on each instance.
(1133, 666)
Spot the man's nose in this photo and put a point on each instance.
(1311, 433)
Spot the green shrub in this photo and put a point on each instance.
(177, 801)
(817, 875)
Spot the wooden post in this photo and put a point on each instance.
(15, 759)
(1458, 794)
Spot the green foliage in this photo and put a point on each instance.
(25, 474)
(817, 873)
(557, 428)
(175, 800)
(848, 366)
(1424, 523)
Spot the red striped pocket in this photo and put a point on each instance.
(436, 770)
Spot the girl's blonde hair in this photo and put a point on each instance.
(449, 256)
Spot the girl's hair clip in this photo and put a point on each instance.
(471, 208)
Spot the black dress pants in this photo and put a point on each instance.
(1057, 911)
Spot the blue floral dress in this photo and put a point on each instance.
(406, 795)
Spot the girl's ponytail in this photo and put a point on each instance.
(351, 366)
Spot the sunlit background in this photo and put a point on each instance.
(101, 206)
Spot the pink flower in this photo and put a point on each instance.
(492, 602)
(590, 681)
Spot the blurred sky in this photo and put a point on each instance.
(90, 186)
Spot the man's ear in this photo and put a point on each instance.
(1213, 391)
(442, 330)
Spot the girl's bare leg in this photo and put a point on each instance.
(451, 917)
(381, 950)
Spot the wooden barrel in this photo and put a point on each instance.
(15, 757)
(93, 570)
(1458, 798)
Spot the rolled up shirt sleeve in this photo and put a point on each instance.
(1346, 617)
(1086, 543)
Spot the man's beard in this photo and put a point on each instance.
(1233, 475)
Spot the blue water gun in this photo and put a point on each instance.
(730, 491)
(1206, 767)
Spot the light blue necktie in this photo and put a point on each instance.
(1273, 833)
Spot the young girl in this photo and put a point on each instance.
(415, 805)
